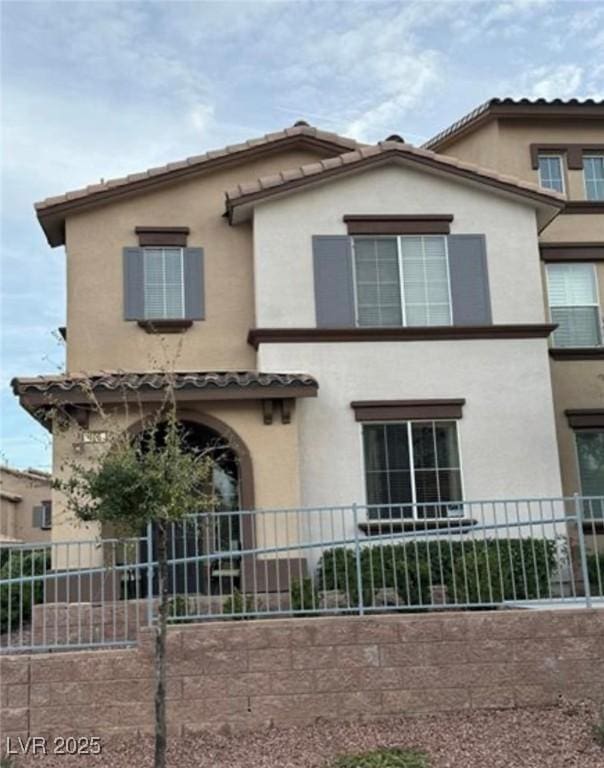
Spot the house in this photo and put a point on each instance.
(559, 145)
(25, 505)
(356, 323)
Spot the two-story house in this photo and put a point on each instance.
(359, 323)
(559, 145)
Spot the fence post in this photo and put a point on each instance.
(582, 551)
(150, 574)
(357, 557)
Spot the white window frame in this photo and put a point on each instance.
(182, 286)
(399, 253)
(456, 510)
(560, 159)
(597, 305)
(592, 155)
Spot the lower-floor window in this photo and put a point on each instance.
(590, 453)
(412, 469)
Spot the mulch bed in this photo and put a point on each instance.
(533, 738)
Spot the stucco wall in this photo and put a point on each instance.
(98, 337)
(273, 450)
(507, 434)
(249, 675)
(283, 230)
(16, 517)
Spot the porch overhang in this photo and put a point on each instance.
(45, 396)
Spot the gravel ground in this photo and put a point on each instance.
(550, 738)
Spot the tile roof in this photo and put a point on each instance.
(301, 132)
(507, 105)
(122, 381)
(285, 180)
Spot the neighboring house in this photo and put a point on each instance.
(25, 505)
(360, 323)
(559, 145)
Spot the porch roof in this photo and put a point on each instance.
(40, 394)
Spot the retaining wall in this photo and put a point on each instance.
(248, 674)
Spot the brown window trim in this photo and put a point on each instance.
(392, 224)
(405, 410)
(577, 353)
(257, 336)
(585, 418)
(583, 206)
(574, 153)
(572, 251)
(381, 527)
(165, 326)
(170, 236)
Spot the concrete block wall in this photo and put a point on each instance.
(249, 674)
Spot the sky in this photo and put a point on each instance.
(99, 89)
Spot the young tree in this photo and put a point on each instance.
(150, 477)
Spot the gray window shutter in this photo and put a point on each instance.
(469, 280)
(134, 289)
(334, 289)
(38, 517)
(194, 284)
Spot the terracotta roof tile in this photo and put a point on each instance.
(295, 176)
(196, 160)
(119, 380)
(478, 114)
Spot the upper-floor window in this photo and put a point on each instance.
(593, 168)
(574, 305)
(164, 294)
(412, 469)
(402, 281)
(551, 172)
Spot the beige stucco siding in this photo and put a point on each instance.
(577, 384)
(98, 336)
(16, 517)
(273, 450)
(283, 230)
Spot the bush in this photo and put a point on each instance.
(487, 571)
(383, 758)
(237, 604)
(595, 570)
(302, 595)
(16, 599)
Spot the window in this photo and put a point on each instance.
(46, 515)
(411, 467)
(590, 454)
(402, 281)
(551, 174)
(163, 283)
(593, 169)
(574, 305)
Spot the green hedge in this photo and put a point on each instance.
(486, 571)
(16, 599)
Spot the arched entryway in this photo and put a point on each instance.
(232, 484)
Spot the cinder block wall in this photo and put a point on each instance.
(247, 674)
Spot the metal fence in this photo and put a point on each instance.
(353, 559)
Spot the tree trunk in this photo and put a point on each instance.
(160, 646)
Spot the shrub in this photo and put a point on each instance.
(237, 604)
(16, 599)
(383, 758)
(486, 571)
(302, 595)
(595, 570)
